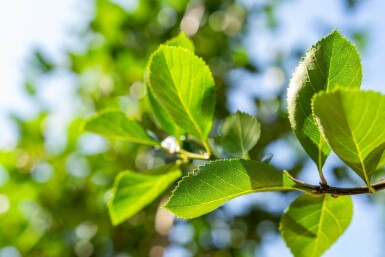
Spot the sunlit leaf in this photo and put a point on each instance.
(182, 41)
(312, 224)
(333, 61)
(161, 117)
(353, 124)
(133, 191)
(183, 85)
(217, 182)
(240, 132)
(116, 125)
(381, 163)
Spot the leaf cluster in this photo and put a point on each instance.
(327, 112)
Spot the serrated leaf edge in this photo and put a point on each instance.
(323, 206)
(147, 81)
(341, 89)
(244, 114)
(197, 170)
(315, 46)
(181, 34)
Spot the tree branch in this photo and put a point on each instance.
(322, 189)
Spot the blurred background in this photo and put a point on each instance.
(61, 61)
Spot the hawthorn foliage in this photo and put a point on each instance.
(327, 112)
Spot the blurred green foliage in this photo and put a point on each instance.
(53, 201)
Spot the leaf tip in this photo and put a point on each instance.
(336, 32)
(171, 209)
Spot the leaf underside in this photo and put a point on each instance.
(115, 124)
(312, 224)
(353, 124)
(331, 62)
(217, 182)
(133, 191)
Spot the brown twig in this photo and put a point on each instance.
(322, 189)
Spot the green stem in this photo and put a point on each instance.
(196, 156)
(323, 180)
(321, 175)
(246, 156)
(206, 146)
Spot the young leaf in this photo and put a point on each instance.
(240, 132)
(116, 125)
(183, 85)
(332, 61)
(220, 181)
(312, 224)
(182, 41)
(161, 117)
(133, 191)
(353, 124)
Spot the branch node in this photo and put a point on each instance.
(323, 188)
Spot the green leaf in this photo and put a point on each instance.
(353, 124)
(133, 191)
(312, 224)
(161, 117)
(217, 182)
(333, 61)
(183, 85)
(240, 132)
(381, 163)
(116, 125)
(183, 41)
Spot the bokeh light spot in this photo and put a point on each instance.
(4, 204)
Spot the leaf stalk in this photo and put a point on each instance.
(197, 156)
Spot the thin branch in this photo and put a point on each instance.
(322, 189)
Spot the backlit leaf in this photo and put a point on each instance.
(182, 41)
(240, 132)
(133, 191)
(217, 182)
(116, 125)
(333, 61)
(312, 224)
(161, 117)
(353, 124)
(183, 85)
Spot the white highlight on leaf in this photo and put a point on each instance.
(170, 144)
(297, 79)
